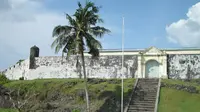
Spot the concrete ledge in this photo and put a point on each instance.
(126, 108)
(157, 96)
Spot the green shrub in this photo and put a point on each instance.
(19, 62)
(21, 78)
(3, 79)
(76, 110)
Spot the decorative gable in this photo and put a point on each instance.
(153, 51)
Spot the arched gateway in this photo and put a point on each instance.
(152, 63)
(152, 69)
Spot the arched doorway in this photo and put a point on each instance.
(152, 69)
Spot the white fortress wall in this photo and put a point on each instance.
(104, 67)
(18, 70)
(180, 63)
(53, 67)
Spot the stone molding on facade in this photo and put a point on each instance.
(148, 54)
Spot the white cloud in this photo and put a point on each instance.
(24, 23)
(186, 32)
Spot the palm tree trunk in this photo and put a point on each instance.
(85, 80)
(62, 57)
(78, 66)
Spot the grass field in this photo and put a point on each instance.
(8, 110)
(172, 100)
(100, 90)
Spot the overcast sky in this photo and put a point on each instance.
(160, 23)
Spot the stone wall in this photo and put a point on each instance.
(183, 66)
(179, 66)
(111, 66)
(18, 70)
(56, 67)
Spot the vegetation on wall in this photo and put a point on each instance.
(20, 61)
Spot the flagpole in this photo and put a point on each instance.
(122, 76)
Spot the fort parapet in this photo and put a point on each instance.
(138, 63)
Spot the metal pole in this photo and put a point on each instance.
(122, 76)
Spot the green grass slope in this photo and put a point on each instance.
(173, 100)
(69, 93)
(7, 110)
(104, 94)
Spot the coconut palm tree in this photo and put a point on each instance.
(80, 34)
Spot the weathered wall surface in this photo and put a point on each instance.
(179, 66)
(18, 70)
(55, 67)
(111, 66)
(183, 66)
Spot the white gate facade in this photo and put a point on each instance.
(152, 63)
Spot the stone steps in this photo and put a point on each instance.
(140, 109)
(132, 107)
(142, 103)
(144, 96)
